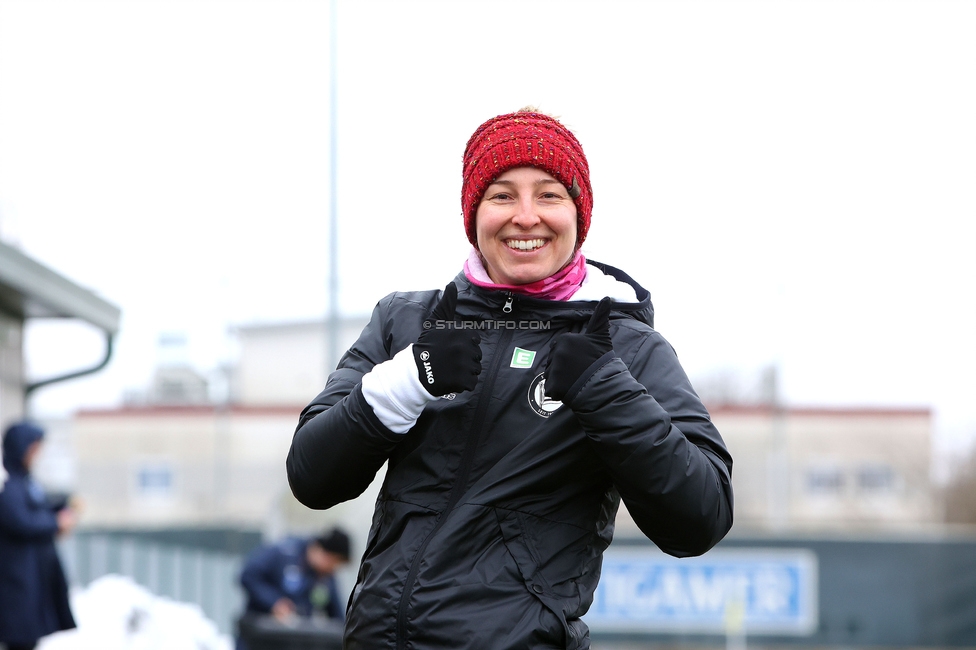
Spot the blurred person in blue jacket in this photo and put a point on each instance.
(296, 577)
(33, 588)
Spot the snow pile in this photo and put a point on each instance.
(115, 613)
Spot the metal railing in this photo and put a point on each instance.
(206, 578)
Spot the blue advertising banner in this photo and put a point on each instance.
(737, 591)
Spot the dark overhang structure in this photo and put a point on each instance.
(28, 289)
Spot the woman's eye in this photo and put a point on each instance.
(501, 196)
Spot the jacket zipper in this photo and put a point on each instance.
(461, 479)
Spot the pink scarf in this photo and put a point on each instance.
(561, 285)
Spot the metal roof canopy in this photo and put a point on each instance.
(29, 289)
(32, 290)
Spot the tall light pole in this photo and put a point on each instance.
(332, 347)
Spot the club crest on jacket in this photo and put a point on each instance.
(541, 404)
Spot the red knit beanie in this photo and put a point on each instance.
(525, 139)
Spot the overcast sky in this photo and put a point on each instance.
(792, 181)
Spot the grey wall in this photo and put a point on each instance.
(11, 369)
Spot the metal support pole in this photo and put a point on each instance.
(332, 349)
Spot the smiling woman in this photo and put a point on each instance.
(527, 200)
(516, 409)
(526, 227)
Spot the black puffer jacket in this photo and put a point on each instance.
(496, 509)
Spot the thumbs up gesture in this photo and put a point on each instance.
(448, 359)
(571, 354)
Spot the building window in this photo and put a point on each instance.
(875, 478)
(825, 481)
(155, 480)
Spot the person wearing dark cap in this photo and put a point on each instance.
(33, 588)
(296, 577)
(514, 411)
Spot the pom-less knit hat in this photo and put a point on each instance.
(335, 541)
(525, 139)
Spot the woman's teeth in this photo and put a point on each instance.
(525, 244)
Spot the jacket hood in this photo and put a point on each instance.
(16, 440)
(489, 302)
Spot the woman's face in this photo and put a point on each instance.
(526, 226)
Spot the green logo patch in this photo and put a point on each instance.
(523, 358)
